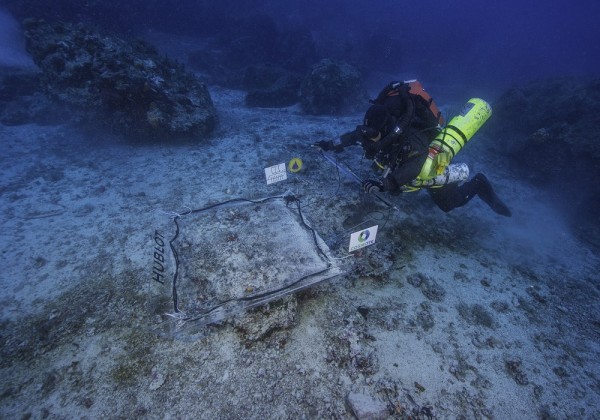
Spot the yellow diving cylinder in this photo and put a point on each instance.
(454, 136)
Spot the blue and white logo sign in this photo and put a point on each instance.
(363, 238)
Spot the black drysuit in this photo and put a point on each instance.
(404, 145)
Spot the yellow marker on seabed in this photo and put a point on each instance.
(295, 165)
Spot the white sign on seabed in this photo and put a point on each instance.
(363, 238)
(276, 173)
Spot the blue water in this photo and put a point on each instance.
(483, 43)
(476, 315)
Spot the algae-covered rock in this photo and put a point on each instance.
(550, 127)
(125, 85)
(332, 88)
(548, 132)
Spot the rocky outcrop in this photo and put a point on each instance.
(126, 85)
(550, 127)
(332, 88)
(548, 132)
(248, 50)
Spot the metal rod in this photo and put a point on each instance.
(349, 172)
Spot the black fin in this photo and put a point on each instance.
(487, 194)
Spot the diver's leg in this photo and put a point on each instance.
(485, 191)
(448, 197)
(453, 195)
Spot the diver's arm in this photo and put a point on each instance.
(350, 138)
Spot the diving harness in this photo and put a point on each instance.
(437, 170)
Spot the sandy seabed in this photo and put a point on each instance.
(460, 315)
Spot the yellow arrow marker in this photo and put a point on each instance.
(295, 165)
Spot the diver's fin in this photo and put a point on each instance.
(487, 194)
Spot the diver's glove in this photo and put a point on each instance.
(328, 146)
(324, 145)
(372, 186)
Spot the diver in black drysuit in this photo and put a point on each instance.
(397, 131)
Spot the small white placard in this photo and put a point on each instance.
(276, 173)
(363, 238)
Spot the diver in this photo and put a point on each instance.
(402, 133)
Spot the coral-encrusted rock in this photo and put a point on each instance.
(332, 88)
(548, 132)
(127, 86)
(550, 128)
